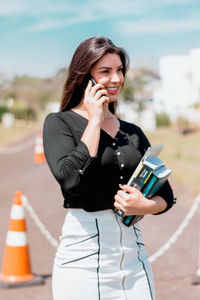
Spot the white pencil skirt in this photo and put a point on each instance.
(99, 258)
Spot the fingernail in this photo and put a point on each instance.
(121, 185)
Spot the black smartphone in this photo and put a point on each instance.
(93, 81)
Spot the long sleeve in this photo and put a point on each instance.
(66, 159)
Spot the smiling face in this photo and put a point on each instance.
(108, 71)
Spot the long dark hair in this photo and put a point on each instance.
(85, 57)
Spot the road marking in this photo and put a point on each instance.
(18, 148)
(178, 232)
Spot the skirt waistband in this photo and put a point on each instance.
(81, 214)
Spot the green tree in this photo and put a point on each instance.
(135, 86)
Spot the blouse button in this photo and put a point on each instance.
(122, 165)
(118, 153)
(114, 144)
(121, 177)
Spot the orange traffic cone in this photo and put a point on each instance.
(39, 156)
(16, 268)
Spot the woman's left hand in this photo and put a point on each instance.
(132, 202)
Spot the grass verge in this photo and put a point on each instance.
(20, 130)
(181, 153)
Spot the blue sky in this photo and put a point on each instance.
(38, 37)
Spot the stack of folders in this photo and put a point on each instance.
(150, 174)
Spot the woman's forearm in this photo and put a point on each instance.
(155, 205)
(91, 136)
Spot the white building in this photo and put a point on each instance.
(145, 119)
(180, 83)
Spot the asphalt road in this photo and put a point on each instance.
(172, 271)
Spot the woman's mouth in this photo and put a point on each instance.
(113, 90)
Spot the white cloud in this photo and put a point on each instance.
(107, 7)
(181, 2)
(46, 24)
(84, 12)
(115, 8)
(100, 9)
(13, 8)
(156, 27)
(49, 14)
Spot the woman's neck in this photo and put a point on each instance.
(107, 113)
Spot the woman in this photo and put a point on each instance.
(90, 152)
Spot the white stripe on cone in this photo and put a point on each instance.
(15, 238)
(17, 212)
(38, 148)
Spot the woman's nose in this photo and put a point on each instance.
(115, 78)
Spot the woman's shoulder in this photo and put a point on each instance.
(59, 116)
(56, 122)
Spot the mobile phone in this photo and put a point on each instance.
(94, 82)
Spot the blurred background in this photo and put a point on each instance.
(162, 89)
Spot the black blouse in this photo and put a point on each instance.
(92, 182)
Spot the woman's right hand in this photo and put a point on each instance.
(94, 98)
